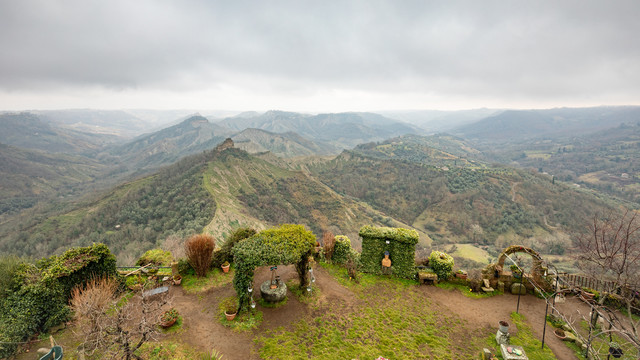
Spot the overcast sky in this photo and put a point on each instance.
(318, 55)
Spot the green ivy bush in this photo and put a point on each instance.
(401, 250)
(341, 249)
(184, 268)
(442, 264)
(225, 254)
(287, 244)
(156, 257)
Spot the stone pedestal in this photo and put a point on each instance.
(502, 338)
(273, 295)
(511, 356)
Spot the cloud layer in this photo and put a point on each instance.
(318, 55)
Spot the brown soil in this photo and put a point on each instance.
(202, 330)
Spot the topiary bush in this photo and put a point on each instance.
(401, 248)
(287, 244)
(442, 264)
(155, 257)
(341, 249)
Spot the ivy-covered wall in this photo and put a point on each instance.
(38, 295)
(401, 248)
(77, 265)
(288, 244)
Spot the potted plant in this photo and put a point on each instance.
(230, 309)
(169, 318)
(615, 350)
(461, 274)
(177, 279)
(225, 266)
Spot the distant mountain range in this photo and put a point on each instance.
(517, 125)
(342, 130)
(73, 149)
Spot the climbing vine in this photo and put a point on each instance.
(287, 244)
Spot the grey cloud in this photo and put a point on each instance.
(520, 49)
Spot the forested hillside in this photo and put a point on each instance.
(29, 176)
(461, 204)
(132, 218)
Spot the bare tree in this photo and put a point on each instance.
(609, 252)
(104, 323)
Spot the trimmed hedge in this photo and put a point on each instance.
(288, 244)
(401, 250)
(341, 249)
(442, 264)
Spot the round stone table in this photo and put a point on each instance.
(273, 295)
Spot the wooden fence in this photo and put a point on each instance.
(588, 282)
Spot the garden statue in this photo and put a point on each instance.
(386, 264)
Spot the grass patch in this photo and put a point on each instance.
(466, 291)
(366, 281)
(215, 278)
(528, 341)
(271, 305)
(392, 324)
(169, 350)
(301, 293)
(244, 321)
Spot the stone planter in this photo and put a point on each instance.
(273, 295)
(503, 327)
(559, 333)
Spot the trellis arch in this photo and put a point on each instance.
(286, 245)
(537, 270)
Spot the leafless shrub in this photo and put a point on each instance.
(116, 327)
(199, 250)
(329, 243)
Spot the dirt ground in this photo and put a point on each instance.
(202, 331)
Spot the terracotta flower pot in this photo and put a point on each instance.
(230, 317)
(177, 281)
(225, 268)
(168, 323)
(559, 333)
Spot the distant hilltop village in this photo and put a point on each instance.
(226, 144)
